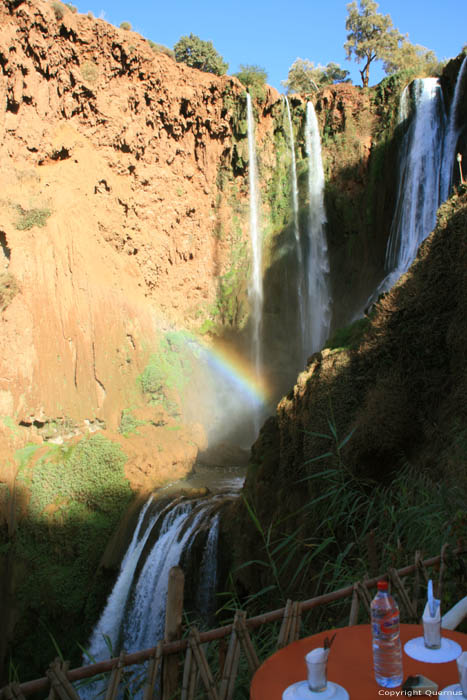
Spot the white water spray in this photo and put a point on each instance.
(419, 177)
(318, 294)
(256, 282)
(452, 134)
(144, 623)
(296, 228)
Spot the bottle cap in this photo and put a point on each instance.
(382, 585)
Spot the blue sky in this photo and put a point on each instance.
(273, 34)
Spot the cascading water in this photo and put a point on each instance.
(418, 195)
(110, 621)
(165, 535)
(256, 283)
(296, 228)
(134, 615)
(452, 134)
(318, 294)
(205, 599)
(144, 623)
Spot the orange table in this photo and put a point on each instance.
(350, 664)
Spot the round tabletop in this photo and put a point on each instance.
(350, 664)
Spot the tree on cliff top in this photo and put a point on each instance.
(199, 54)
(372, 37)
(254, 79)
(411, 56)
(305, 77)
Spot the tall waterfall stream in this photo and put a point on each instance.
(318, 293)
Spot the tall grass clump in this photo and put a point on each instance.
(410, 512)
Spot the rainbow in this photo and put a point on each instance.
(236, 370)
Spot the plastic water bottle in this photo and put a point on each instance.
(387, 653)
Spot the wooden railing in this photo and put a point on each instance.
(59, 679)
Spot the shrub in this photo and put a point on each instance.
(160, 48)
(28, 218)
(199, 54)
(71, 7)
(89, 71)
(90, 472)
(59, 10)
(128, 422)
(126, 26)
(8, 289)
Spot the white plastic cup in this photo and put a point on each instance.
(317, 661)
(432, 633)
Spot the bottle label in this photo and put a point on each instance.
(386, 625)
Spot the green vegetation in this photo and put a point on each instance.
(412, 513)
(304, 77)
(254, 79)
(9, 288)
(160, 48)
(199, 54)
(28, 218)
(90, 472)
(71, 7)
(129, 423)
(126, 26)
(59, 10)
(77, 495)
(168, 371)
(90, 71)
(349, 337)
(372, 36)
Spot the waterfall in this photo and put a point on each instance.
(296, 228)
(144, 623)
(134, 614)
(256, 283)
(452, 134)
(110, 620)
(419, 176)
(205, 598)
(318, 294)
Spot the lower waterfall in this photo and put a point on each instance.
(166, 531)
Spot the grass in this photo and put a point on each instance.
(322, 546)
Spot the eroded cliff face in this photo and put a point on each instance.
(110, 156)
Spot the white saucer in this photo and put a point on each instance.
(452, 691)
(301, 691)
(448, 651)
